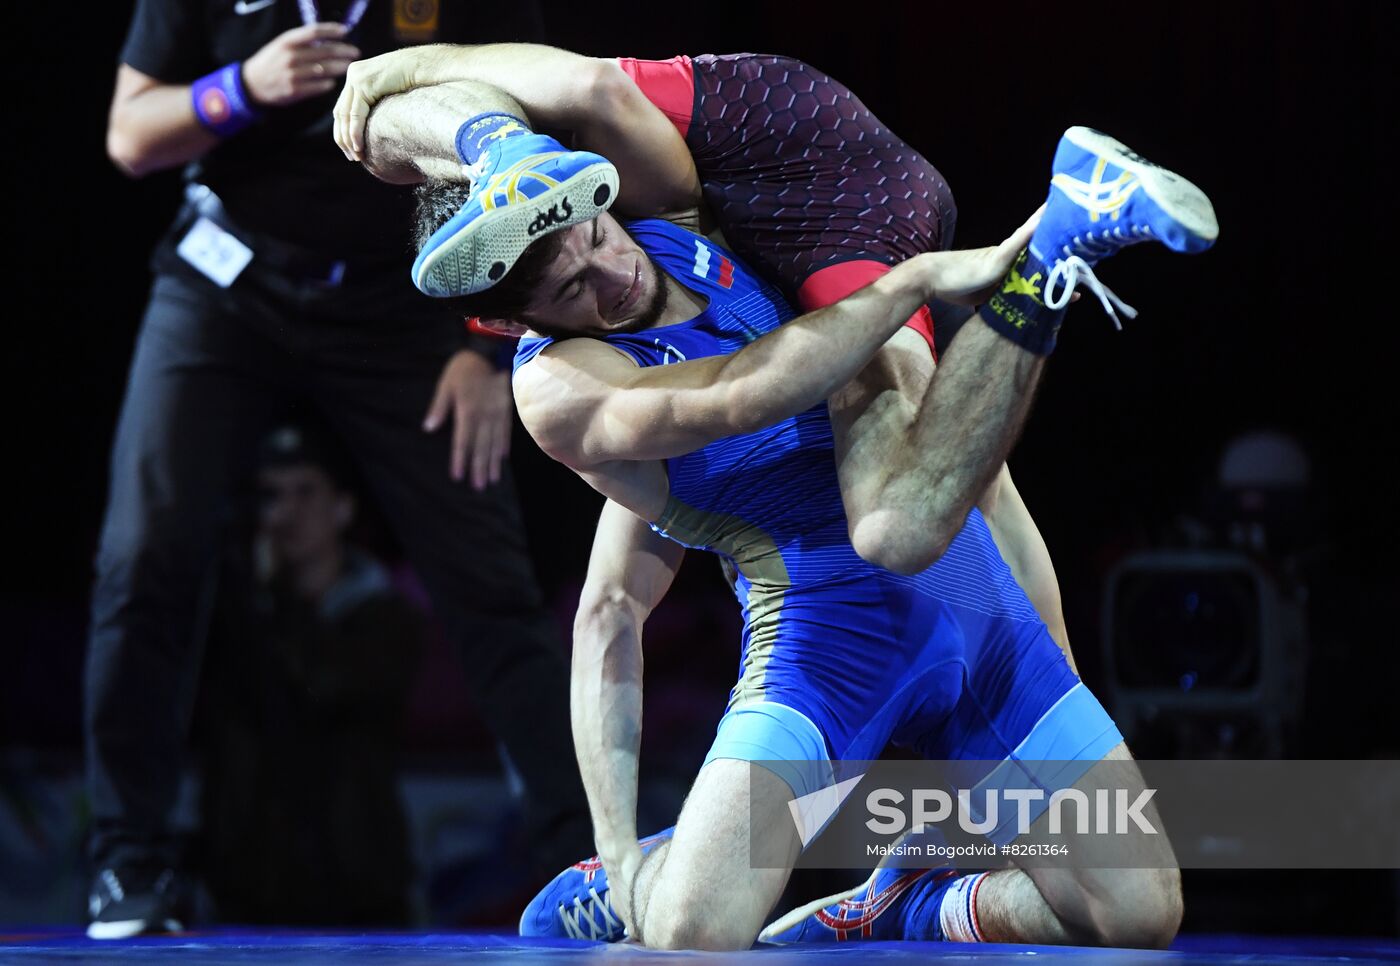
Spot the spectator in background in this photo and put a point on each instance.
(284, 278)
(310, 660)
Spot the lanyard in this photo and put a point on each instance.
(310, 15)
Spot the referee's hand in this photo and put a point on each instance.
(479, 401)
(300, 63)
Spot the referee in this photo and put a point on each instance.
(284, 282)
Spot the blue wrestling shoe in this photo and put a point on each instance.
(879, 908)
(577, 903)
(1104, 197)
(523, 187)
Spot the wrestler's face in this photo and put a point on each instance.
(601, 282)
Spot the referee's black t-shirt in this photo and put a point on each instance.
(284, 176)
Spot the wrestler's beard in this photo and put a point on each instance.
(656, 306)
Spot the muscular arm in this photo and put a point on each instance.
(629, 572)
(556, 90)
(585, 404)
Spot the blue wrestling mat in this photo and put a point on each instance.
(244, 946)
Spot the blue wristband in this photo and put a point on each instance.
(221, 103)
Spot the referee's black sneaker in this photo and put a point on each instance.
(130, 901)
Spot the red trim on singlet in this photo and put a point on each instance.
(669, 84)
(835, 282)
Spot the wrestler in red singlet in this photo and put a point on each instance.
(810, 186)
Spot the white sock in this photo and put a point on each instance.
(958, 912)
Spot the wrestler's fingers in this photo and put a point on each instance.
(340, 136)
(343, 106)
(346, 125)
(338, 122)
(355, 119)
(1021, 237)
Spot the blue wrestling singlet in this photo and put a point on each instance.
(839, 656)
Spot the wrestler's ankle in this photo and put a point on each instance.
(477, 134)
(957, 912)
(1018, 312)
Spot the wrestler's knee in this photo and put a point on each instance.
(680, 911)
(886, 539)
(1138, 908)
(691, 927)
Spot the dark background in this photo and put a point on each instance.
(1276, 110)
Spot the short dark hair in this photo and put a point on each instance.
(438, 201)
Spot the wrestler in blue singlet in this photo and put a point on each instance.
(839, 656)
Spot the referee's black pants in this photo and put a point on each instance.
(212, 370)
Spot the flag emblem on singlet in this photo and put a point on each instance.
(703, 257)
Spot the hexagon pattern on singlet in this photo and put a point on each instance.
(803, 176)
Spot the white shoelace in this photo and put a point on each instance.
(1070, 272)
(590, 929)
(114, 885)
(475, 171)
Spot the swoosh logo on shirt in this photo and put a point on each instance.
(245, 7)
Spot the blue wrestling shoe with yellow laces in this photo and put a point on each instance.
(1104, 197)
(577, 903)
(523, 187)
